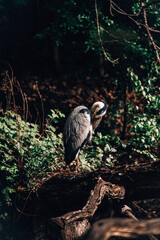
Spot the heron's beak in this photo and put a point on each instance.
(93, 116)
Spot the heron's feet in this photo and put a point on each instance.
(73, 167)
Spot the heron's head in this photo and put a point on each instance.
(98, 109)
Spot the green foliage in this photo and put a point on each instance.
(146, 132)
(144, 117)
(104, 152)
(26, 155)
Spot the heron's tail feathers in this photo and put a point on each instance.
(70, 157)
(70, 154)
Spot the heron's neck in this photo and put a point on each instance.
(95, 122)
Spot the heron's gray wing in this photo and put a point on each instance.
(76, 132)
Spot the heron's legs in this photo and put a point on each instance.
(77, 163)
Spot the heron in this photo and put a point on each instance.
(79, 127)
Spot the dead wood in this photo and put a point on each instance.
(69, 191)
(128, 212)
(127, 228)
(76, 224)
(63, 194)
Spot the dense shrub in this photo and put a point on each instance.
(26, 154)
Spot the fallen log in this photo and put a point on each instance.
(63, 195)
(68, 191)
(127, 228)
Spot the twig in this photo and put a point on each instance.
(41, 105)
(128, 212)
(130, 16)
(100, 39)
(149, 34)
(141, 209)
(115, 7)
(23, 98)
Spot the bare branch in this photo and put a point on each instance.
(149, 35)
(115, 7)
(119, 10)
(128, 212)
(100, 39)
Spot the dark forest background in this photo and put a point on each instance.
(77, 55)
(60, 54)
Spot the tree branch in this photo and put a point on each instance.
(149, 34)
(100, 39)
